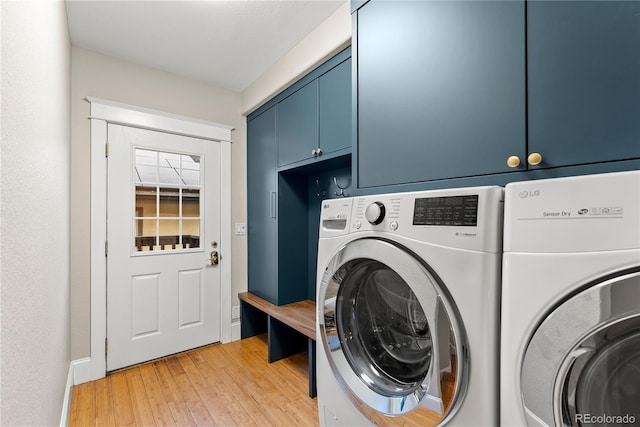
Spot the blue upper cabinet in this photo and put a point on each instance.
(314, 121)
(298, 125)
(441, 89)
(583, 81)
(335, 108)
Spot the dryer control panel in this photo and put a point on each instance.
(575, 214)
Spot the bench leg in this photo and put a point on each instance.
(312, 368)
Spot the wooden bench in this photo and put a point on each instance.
(290, 328)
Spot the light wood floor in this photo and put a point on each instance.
(218, 385)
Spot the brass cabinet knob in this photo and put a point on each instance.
(534, 159)
(513, 161)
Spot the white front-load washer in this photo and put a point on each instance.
(408, 308)
(570, 347)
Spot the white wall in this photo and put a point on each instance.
(34, 216)
(329, 38)
(109, 78)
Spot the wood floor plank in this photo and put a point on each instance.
(159, 407)
(148, 373)
(222, 384)
(193, 400)
(121, 399)
(140, 401)
(86, 410)
(105, 411)
(177, 405)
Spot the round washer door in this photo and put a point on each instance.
(391, 333)
(582, 365)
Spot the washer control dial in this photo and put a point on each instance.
(375, 213)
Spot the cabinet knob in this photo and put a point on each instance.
(319, 151)
(314, 152)
(513, 161)
(534, 159)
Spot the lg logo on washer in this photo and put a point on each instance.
(529, 193)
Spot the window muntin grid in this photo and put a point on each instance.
(167, 213)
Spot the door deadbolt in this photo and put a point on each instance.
(214, 258)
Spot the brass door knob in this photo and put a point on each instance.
(513, 161)
(534, 159)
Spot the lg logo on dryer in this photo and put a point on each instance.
(529, 193)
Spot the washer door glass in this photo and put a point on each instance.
(383, 328)
(389, 330)
(582, 365)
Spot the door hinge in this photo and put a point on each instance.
(106, 247)
(106, 345)
(106, 149)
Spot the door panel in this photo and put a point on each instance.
(163, 294)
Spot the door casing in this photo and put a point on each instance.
(102, 113)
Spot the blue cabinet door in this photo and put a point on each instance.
(261, 204)
(583, 81)
(298, 125)
(335, 108)
(441, 89)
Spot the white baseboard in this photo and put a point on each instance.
(81, 370)
(66, 402)
(235, 330)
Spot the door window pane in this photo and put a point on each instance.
(170, 202)
(167, 190)
(191, 233)
(191, 203)
(146, 202)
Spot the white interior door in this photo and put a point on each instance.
(163, 225)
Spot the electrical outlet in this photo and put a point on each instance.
(241, 228)
(235, 312)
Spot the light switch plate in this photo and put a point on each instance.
(241, 228)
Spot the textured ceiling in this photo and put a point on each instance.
(226, 43)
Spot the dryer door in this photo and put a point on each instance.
(390, 332)
(582, 365)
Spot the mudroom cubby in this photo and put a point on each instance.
(301, 192)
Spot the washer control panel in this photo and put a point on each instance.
(453, 217)
(375, 213)
(448, 210)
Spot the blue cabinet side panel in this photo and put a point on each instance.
(261, 186)
(441, 89)
(584, 80)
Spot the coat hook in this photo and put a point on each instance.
(341, 193)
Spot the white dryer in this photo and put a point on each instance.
(408, 305)
(571, 302)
